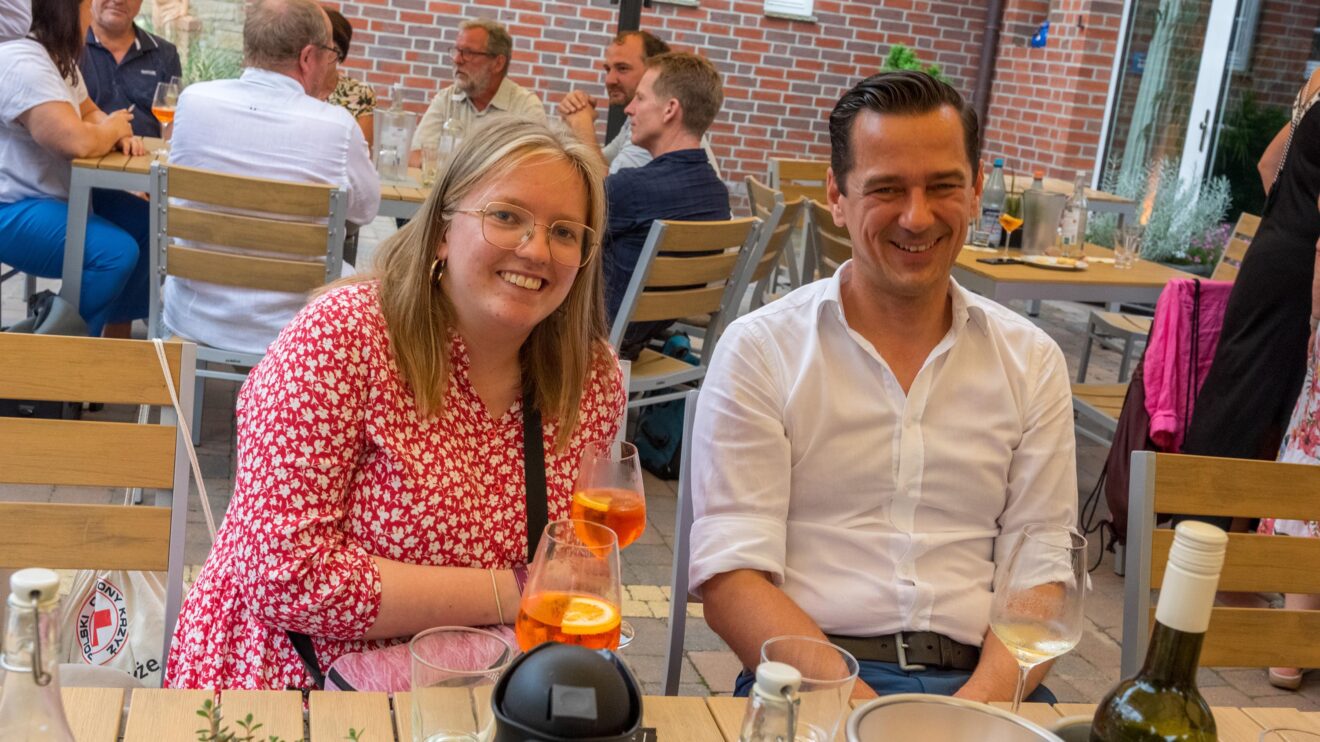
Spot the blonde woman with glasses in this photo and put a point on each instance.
(381, 474)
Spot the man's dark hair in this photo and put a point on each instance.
(55, 25)
(651, 44)
(906, 92)
(341, 30)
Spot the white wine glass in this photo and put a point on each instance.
(1037, 607)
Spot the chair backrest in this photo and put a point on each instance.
(688, 269)
(830, 245)
(799, 178)
(778, 221)
(1236, 249)
(678, 598)
(96, 454)
(255, 233)
(1238, 637)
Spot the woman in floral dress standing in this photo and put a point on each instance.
(380, 484)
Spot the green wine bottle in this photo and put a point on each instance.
(1162, 702)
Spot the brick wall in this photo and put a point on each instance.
(781, 76)
(1283, 44)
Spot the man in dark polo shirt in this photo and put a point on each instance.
(676, 101)
(122, 63)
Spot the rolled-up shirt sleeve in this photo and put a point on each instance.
(1042, 477)
(740, 463)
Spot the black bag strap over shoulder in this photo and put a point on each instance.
(538, 514)
(538, 505)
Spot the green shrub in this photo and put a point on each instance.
(902, 58)
(1180, 216)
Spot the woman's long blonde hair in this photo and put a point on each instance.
(558, 356)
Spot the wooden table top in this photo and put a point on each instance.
(1143, 273)
(166, 715)
(141, 165)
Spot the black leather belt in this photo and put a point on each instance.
(911, 651)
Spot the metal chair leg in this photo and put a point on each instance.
(1086, 351)
(200, 385)
(1125, 364)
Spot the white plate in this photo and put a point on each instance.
(1053, 263)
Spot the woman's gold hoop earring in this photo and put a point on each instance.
(437, 270)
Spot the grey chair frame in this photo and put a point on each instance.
(721, 318)
(772, 216)
(678, 598)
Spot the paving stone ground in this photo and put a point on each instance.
(1083, 675)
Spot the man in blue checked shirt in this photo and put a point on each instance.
(122, 63)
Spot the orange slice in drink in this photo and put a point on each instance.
(586, 615)
(587, 501)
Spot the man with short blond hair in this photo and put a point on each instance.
(675, 102)
(481, 55)
(272, 122)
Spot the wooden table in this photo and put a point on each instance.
(168, 715)
(1101, 282)
(121, 172)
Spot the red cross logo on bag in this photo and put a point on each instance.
(103, 623)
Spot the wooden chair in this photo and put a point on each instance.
(1238, 637)
(798, 179)
(830, 246)
(96, 454)
(678, 598)
(245, 232)
(1130, 329)
(778, 221)
(685, 269)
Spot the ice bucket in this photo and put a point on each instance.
(910, 716)
(1041, 212)
(393, 142)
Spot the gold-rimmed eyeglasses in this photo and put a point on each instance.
(510, 227)
(458, 52)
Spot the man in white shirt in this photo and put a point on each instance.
(272, 122)
(481, 56)
(868, 449)
(625, 63)
(15, 18)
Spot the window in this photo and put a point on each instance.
(797, 9)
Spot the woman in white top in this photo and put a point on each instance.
(47, 120)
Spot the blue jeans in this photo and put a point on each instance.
(115, 258)
(885, 678)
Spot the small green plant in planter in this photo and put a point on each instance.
(215, 732)
(902, 58)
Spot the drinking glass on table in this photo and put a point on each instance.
(609, 491)
(1010, 219)
(1037, 607)
(1129, 246)
(1280, 734)
(828, 676)
(454, 671)
(574, 589)
(162, 107)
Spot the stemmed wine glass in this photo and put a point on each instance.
(1037, 607)
(1010, 219)
(609, 491)
(574, 590)
(162, 107)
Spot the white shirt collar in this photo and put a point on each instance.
(270, 78)
(965, 305)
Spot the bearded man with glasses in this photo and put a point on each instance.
(481, 56)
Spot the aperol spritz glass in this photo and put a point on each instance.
(574, 588)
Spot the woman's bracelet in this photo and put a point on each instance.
(499, 609)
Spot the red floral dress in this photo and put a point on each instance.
(1301, 444)
(335, 466)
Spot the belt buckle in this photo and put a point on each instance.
(900, 645)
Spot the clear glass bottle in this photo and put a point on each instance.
(1038, 181)
(30, 706)
(1073, 224)
(772, 708)
(992, 204)
(1162, 701)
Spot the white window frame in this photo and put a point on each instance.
(796, 9)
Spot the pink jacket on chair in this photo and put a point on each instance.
(1188, 318)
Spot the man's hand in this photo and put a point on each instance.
(132, 146)
(577, 101)
(862, 692)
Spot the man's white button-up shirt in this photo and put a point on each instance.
(874, 510)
